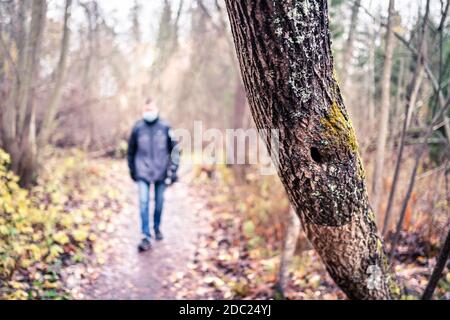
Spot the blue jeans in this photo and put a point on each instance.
(144, 202)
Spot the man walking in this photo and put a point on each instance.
(153, 158)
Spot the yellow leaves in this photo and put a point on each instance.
(37, 236)
(69, 162)
(78, 217)
(22, 225)
(5, 159)
(55, 251)
(99, 248)
(35, 252)
(18, 249)
(102, 226)
(57, 197)
(7, 207)
(67, 222)
(17, 285)
(18, 295)
(89, 215)
(61, 238)
(101, 260)
(6, 265)
(4, 230)
(26, 263)
(52, 222)
(80, 235)
(13, 186)
(51, 285)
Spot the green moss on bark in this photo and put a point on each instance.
(339, 129)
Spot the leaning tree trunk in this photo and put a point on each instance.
(287, 66)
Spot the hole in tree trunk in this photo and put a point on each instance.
(316, 156)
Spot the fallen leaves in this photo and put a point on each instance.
(50, 227)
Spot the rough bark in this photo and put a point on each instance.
(287, 67)
(378, 173)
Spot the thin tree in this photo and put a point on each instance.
(378, 172)
(348, 49)
(48, 122)
(411, 98)
(287, 67)
(412, 180)
(290, 243)
(437, 272)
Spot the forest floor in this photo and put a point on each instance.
(127, 274)
(205, 254)
(223, 239)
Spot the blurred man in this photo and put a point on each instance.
(153, 158)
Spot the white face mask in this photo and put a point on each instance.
(150, 116)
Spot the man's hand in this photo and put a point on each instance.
(171, 178)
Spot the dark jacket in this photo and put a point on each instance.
(153, 153)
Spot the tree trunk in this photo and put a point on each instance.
(396, 113)
(348, 50)
(437, 272)
(287, 67)
(47, 124)
(378, 173)
(19, 132)
(372, 81)
(27, 165)
(287, 255)
(240, 104)
(9, 124)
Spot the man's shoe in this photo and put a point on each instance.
(145, 245)
(159, 236)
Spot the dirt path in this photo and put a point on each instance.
(129, 275)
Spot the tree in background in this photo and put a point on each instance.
(19, 113)
(349, 43)
(383, 128)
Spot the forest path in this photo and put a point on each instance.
(129, 275)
